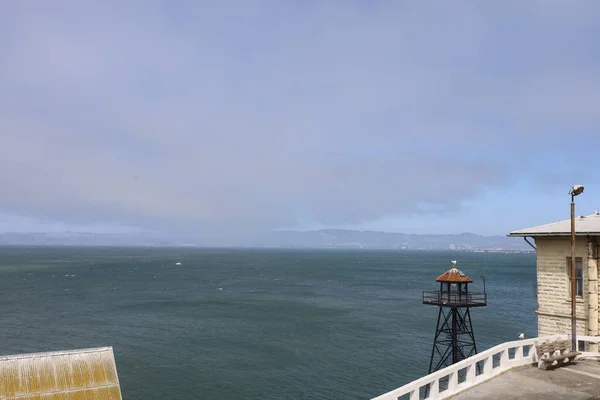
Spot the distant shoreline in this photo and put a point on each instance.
(236, 247)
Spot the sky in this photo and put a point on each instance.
(236, 117)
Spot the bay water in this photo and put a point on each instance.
(188, 323)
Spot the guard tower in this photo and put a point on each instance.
(454, 338)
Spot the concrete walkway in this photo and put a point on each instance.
(579, 380)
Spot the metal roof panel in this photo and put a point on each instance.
(588, 225)
(85, 374)
(454, 275)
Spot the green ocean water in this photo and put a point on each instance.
(252, 324)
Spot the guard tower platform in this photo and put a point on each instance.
(454, 291)
(446, 299)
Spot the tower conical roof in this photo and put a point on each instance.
(453, 275)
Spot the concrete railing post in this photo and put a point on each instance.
(452, 381)
(519, 352)
(504, 360)
(471, 374)
(434, 389)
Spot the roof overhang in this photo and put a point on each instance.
(550, 234)
(585, 225)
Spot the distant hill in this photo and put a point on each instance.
(79, 239)
(340, 238)
(326, 238)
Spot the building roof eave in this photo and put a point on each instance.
(547, 234)
(584, 226)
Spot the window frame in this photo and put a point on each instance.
(580, 280)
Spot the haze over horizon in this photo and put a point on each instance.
(238, 117)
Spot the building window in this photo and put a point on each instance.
(578, 276)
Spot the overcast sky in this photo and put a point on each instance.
(242, 116)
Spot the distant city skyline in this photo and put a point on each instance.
(235, 117)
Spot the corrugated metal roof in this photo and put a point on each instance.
(61, 375)
(588, 225)
(453, 275)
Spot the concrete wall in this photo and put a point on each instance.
(554, 303)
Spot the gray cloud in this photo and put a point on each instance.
(250, 115)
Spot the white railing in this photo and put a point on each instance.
(475, 370)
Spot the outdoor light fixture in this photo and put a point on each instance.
(575, 191)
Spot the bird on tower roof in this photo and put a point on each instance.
(454, 275)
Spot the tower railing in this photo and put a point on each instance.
(450, 299)
(475, 370)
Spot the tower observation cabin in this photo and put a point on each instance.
(454, 291)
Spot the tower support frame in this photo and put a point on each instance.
(454, 338)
